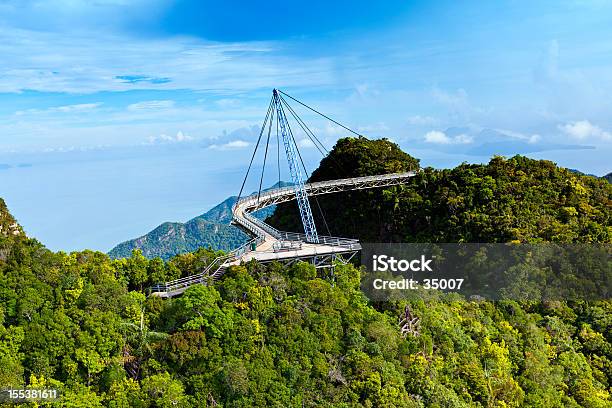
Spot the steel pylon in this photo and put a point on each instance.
(310, 230)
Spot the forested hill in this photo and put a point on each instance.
(10, 231)
(209, 230)
(173, 238)
(269, 336)
(8, 224)
(515, 199)
(274, 336)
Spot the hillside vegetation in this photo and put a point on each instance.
(173, 238)
(516, 199)
(270, 336)
(296, 337)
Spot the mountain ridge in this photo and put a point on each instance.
(211, 229)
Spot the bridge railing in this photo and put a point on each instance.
(246, 247)
(296, 236)
(323, 239)
(260, 224)
(259, 228)
(255, 226)
(337, 182)
(191, 279)
(209, 271)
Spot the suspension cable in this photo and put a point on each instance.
(322, 114)
(309, 133)
(263, 169)
(322, 216)
(271, 115)
(278, 153)
(294, 141)
(255, 151)
(304, 166)
(304, 126)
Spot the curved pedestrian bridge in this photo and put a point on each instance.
(267, 244)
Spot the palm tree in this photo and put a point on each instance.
(139, 343)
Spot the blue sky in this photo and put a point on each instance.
(131, 84)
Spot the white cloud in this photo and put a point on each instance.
(180, 137)
(334, 130)
(437, 137)
(151, 105)
(458, 105)
(533, 139)
(573, 90)
(68, 149)
(453, 99)
(363, 92)
(76, 108)
(234, 144)
(583, 129)
(463, 139)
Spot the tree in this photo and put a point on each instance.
(140, 340)
(201, 307)
(161, 390)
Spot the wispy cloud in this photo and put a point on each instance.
(73, 54)
(377, 127)
(151, 105)
(583, 129)
(134, 79)
(228, 103)
(438, 137)
(418, 120)
(233, 145)
(81, 107)
(88, 62)
(180, 137)
(306, 144)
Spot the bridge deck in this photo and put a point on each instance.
(308, 251)
(274, 245)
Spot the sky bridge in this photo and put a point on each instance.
(267, 244)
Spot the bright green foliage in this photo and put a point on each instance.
(200, 305)
(161, 390)
(362, 213)
(274, 336)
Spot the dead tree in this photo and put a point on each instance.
(409, 324)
